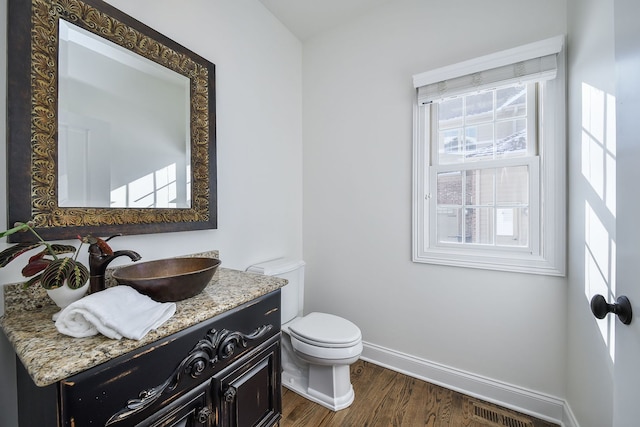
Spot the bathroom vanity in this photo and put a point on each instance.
(215, 363)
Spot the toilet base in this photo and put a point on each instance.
(327, 385)
(326, 392)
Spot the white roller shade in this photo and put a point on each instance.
(525, 64)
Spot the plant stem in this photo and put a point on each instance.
(49, 248)
(75, 257)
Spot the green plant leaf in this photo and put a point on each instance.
(79, 277)
(50, 273)
(63, 249)
(54, 275)
(11, 253)
(64, 269)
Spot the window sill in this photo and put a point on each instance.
(517, 263)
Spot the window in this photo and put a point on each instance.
(483, 157)
(489, 162)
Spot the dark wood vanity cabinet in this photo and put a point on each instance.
(222, 372)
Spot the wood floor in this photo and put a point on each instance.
(386, 398)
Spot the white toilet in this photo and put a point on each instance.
(318, 348)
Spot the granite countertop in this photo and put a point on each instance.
(50, 356)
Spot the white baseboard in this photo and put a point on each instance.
(528, 402)
(568, 419)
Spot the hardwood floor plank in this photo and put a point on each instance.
(385, 398)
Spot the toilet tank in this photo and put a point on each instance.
(292, 294)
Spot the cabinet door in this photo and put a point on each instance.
(248, 392)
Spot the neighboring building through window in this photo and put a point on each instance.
(489, 162)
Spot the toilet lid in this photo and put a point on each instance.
(324, 329)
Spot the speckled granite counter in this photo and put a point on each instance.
(50, 356)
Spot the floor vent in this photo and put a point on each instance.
(497, 417)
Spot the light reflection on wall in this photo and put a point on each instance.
(155, 190)
(599, 169)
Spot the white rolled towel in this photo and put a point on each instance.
(116, 312)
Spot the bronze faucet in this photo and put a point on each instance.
(100, 256)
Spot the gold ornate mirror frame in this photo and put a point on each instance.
(33, 122)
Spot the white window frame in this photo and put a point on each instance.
(547, 252)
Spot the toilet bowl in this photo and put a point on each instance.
(318, 348)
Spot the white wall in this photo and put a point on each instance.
(258, 98)
(592, 206)
(357, 124)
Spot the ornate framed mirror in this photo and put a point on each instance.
(111, 125)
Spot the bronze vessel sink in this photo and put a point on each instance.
(171, 279)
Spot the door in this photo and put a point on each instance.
(84, 159)
(626, 407)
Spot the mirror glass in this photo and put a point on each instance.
(123, 126)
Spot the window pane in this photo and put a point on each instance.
(511, 102)
(449, 225)
(512, 227)
(511, 136)
(479, 186)
(450, 146)
(479, 225)
(512, 185)
(450, 113)
(479, 142)
(479, 108)
(450, 188)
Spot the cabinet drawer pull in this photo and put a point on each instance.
(230, 394)
(203, 415)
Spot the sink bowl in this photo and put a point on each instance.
(171, 279)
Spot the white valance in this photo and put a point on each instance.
(525, 64)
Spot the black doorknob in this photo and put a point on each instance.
(622, 308)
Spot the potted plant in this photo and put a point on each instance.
(64, 278)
